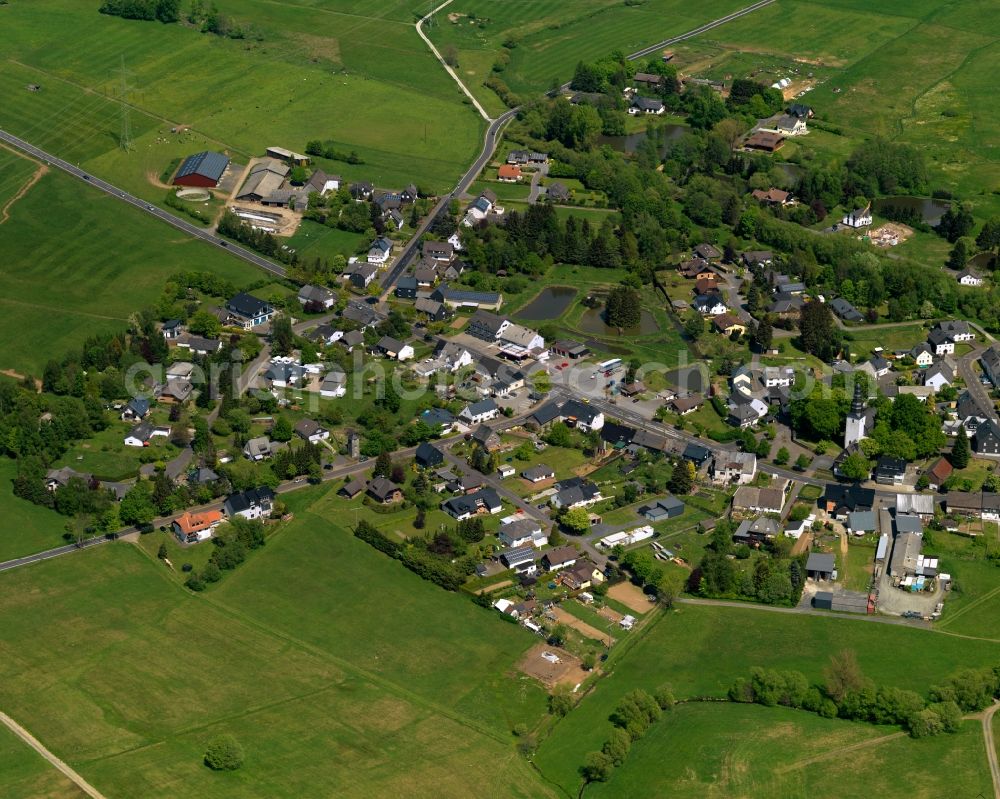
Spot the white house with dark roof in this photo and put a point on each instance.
(317, 295)
(248, 311)
(479, 412)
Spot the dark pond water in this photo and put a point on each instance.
(981, 261)
(930, 210)
(631, 142)
(549, 304)
(592, 321)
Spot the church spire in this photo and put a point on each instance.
(858, 404)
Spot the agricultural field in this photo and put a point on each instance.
(322, 70)
(701, 650)
(106, 259)
(27, 528)
(919, 73)
(139, 674)
(553, 36)
(713, 750)
(26, 775)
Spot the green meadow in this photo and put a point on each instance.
(721, 750)
(77, 261)
(363, 80)
(26, 774)
(700, 651)
(339, 672)
(27, 528)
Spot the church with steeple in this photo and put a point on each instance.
(857, 419)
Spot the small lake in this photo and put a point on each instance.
(592, 321)
(792, 172)
(982, 261)
(630, 143)
(550, 303)
(930, 210)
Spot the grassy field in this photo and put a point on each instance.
(106, 260)
(26, 775)
(717, 751)
(554, 36)
(127, 676)
(700, 650)
(27, 528)
(15, 172)
(323, 70)
(925, 67)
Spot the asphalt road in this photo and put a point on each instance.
(199, 233)
(490, 139)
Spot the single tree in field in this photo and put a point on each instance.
(843, 675)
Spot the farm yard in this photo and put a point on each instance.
(118, 635)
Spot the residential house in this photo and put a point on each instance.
(334, 385)
(426, 273)
(428, 456)
(838, 500)
(517, 341)
(248, 311)
(182, 370)
(728, 325)
(520, 532)
(778, 376)
(362, 314)
(800, 110)
(384, 491)
(697, 454)
(484, 501)
(858, 217)
(316, 296)
(433, 310)
(862, 522)
(200, 345)
(380, 251)
(581, 415)
(938, 473)
(191, 527)
(136, 410)
(281, 374)
(790, 125)
(987, 439)
(311, 431)
(509, 173)
(520, 559)
(682, 406)
(709, 304)
(451, 356)
(969, 277)
(961, 503)
(393, 219)
(487, 326)
(941, 342)
(889, 470)
(172, 329)
(845, 310)
(487, 438)
(772, 196)
(707, 252)
(559, 558)
(438, 419)
(956, 330)
(394, 349)
(252, 504)
(59, 478)
(757, 258)
(940, 374)
(460, 298)
(144, 432)
(734, 467)
(645, 105)
(538, 473)
(921, 505)
(406, 287)
(990, 361)
(581, 576)
(648, 80)
(765, 141)
(352, 488)
(322, 183)
(260, 448)
(479, 412)
(576, 492)
(176, 392)
(361, 275)
(351, 339)
(748, 499)
(755, 532)
(557, 192)
(747, 412)
(439, 250)
(505, 470)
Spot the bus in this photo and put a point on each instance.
(609, 367)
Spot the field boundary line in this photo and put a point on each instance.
(39, 747)
(420, 30)
(40, 172)
(67, 311)
(808, 761)
(974, 604)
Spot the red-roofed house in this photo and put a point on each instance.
(190, 528)
(509, 173)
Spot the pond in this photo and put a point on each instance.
(982, 261)
(550, 303)
(930, 210)
(792, 172)
(592, 321)
(630, 143)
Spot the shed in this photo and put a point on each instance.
(821, 566)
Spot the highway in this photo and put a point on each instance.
(192, 230)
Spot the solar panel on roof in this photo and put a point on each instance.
(207, 163)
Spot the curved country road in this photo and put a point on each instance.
(37, 745)
(991, 749)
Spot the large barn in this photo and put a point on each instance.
(202, 169)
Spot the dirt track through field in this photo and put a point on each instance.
(39, 173)
(808, 761)
(35, 744)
